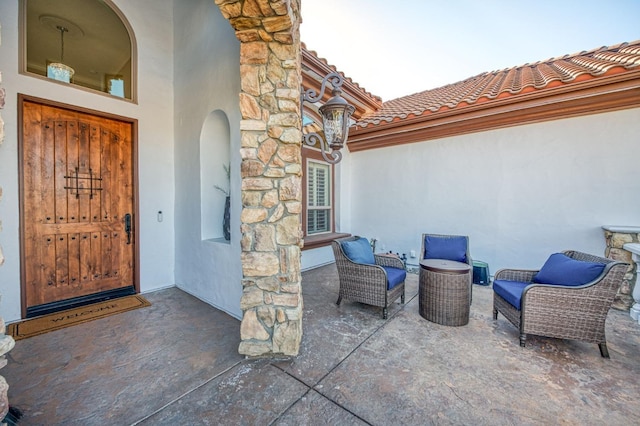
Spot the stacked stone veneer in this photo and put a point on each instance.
(6, 342)
(615, 240)
(271, 172)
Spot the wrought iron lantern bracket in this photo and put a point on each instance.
(335, 113)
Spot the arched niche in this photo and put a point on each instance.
(91, 37)
(215, 140)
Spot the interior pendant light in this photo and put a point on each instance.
(58, 70)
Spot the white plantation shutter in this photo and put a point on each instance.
(318, 198)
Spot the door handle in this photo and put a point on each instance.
(127, 226)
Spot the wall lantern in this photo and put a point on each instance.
(336, 114)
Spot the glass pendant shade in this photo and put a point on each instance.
(335, 119)
(60, 72)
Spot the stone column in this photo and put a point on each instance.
(6, 344)
(616, 237)
(271, 137)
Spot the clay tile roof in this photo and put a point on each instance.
(500, 84)
(314, 68)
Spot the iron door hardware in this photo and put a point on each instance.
(127, 226)
(75, 178)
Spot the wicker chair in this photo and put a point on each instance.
(366, 283)
(560, 311)
(424, 246)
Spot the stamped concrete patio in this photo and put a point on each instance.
(176, 363)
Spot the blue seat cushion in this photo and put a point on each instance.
(449, 248)
(511, 291)
(359, 251)
(395, 276)
(560, 269)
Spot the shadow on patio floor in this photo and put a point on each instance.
(176, 363)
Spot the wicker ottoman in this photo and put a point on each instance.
(445, 291)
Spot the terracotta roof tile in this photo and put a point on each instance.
(355, 87)
(488, 86)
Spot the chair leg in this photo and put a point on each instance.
(603, 350)
(402, 297)
(523, 339)
(495, 314)
(384, 313)
(339, 300)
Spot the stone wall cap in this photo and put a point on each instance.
(622, 229)
(632, 247)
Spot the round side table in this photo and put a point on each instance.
(445, 291)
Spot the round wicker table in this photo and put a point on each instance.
(445, 291)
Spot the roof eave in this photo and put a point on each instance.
(620, 91)
(314, 70)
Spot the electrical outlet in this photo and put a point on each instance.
(413, 253)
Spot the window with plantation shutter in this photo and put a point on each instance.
(318, 198)
(319, 208)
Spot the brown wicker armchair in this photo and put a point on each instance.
(566, 312)
(367, 283)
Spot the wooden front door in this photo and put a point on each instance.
(77, 207)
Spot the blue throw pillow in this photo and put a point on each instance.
(449, 248)
(359, 251)
(560, 269)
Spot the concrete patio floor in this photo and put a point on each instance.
(176, 363)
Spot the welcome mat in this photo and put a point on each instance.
(56, 321)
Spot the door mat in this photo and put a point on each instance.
(56, 321)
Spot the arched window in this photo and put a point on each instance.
(81, 42)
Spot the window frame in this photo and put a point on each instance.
(324, 238)
(133, 62)
(327, 206)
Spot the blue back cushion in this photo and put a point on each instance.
(511, 291)
(449, 248)
(395, 276)
(359, 251)
(560, 269)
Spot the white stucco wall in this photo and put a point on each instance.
(519, 193)
(152, 23)
(207, 68)
(315, 258)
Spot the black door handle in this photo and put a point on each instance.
(127, 226)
